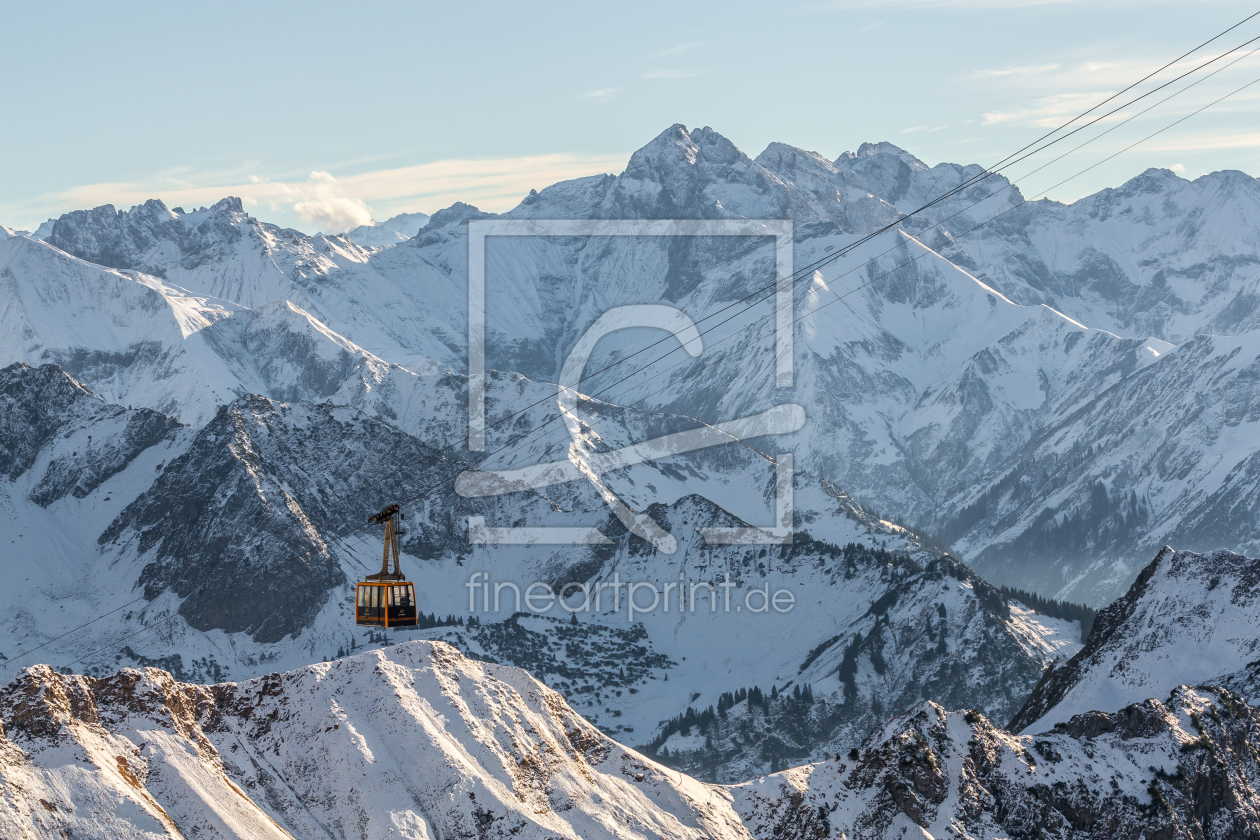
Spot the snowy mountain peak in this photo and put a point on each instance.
(393, 230)
(1158, 768)
(870, 150)
(1187, 618)
(457, 214)
(413, 741)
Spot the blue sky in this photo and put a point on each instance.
(319, 114)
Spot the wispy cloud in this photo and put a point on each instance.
(670, 74)
(601, 94)
(680, 48)
(868, 27)
(1026, 70)
(332, 203)
(1208, 141)
(1047, 111)
(914, 129)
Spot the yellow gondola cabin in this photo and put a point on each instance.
(385, 599)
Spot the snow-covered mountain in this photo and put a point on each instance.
(921, 416)
(1182, 767)
(412, 742)
(389, 232)
(139, 340)
(875, 621)
(1188, 618)
(1028, 391)
(1163, 456)
(417, 741)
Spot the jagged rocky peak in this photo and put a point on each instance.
(71, 438)
(35, 403)
(699, 173)
(1178, 768)
(393, 230)
(1187, 618)
(808, 171)
(1218, 212)
(412, 741)
(874, 150)
(126, 239)
(457, 214)
(682, 173)
(296, 473)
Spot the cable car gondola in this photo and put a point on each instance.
(386, 599)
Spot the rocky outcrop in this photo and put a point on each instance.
(1187, 618)
(414, 741)
(51, 423)
(1181, 768)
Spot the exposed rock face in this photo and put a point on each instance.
(1182, 768)
(1187, 618)
(255, 497)
(946, 389)
(936, 631)
(414, 742)
(44, 412)
(253, 526)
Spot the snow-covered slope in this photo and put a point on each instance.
(948, 374)
(942, 384)
(417, 741)
(1188, 618)
(389, 232)
(412, 742)
(138, 340)
(222, 252)
(235, 546)
(1178, 768)
(1166, 455)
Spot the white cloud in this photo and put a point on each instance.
(1025, 70)
(1178, 168)
(913, 130)
(1048, 111)
(330, 209)
(602, 93)
(1210, 141)
(680, 48)
(329, 203)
